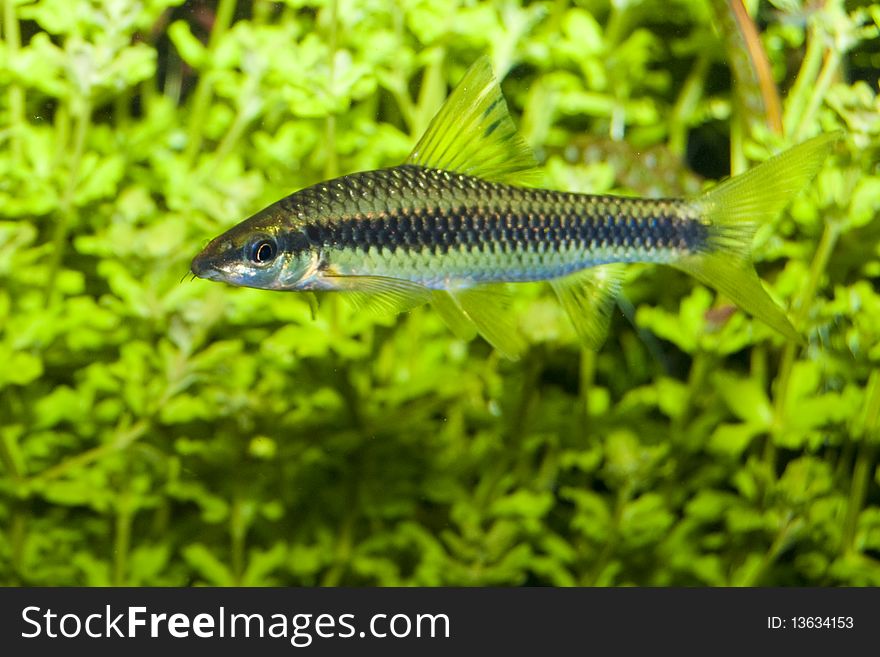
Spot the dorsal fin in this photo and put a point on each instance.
(473, 133)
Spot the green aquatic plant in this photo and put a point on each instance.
(158, 431)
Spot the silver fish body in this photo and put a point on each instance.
(456, 219)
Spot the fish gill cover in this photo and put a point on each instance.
(159, 431)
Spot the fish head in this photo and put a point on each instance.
(260, 252)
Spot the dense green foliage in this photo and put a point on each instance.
(155, 431)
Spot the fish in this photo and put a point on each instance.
(461, 219)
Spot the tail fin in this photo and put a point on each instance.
(733, 211)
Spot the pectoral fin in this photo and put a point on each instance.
(381, 295)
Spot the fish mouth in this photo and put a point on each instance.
(204, 267)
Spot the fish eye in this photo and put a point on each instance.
(264, 251)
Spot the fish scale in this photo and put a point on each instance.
(436, 226)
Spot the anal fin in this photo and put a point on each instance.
(588, 298)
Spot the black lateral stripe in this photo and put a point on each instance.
(478, 228)
(490, 217)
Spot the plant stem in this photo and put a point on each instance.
(122, 111)
(864, 461)
(622, 499)
(400, 92)
(242, 118)
(122, 539)
(858, 492)
(237, 530)
(588, 375)
(83, 112)
(342, 551)
(738, 162)
(18, 525)
(758, 364)
(61, 127)
(701, 366)
(817, 268)
(429, 99)
(331, 166)
(690, 95)
(826, 77)
(262, 11)
(173, 79)
(520, 417)
(788, 532)
(204, 90)
(617, 25)
(12, 36)
(804, 84)
(122, 439)
(10, 456)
